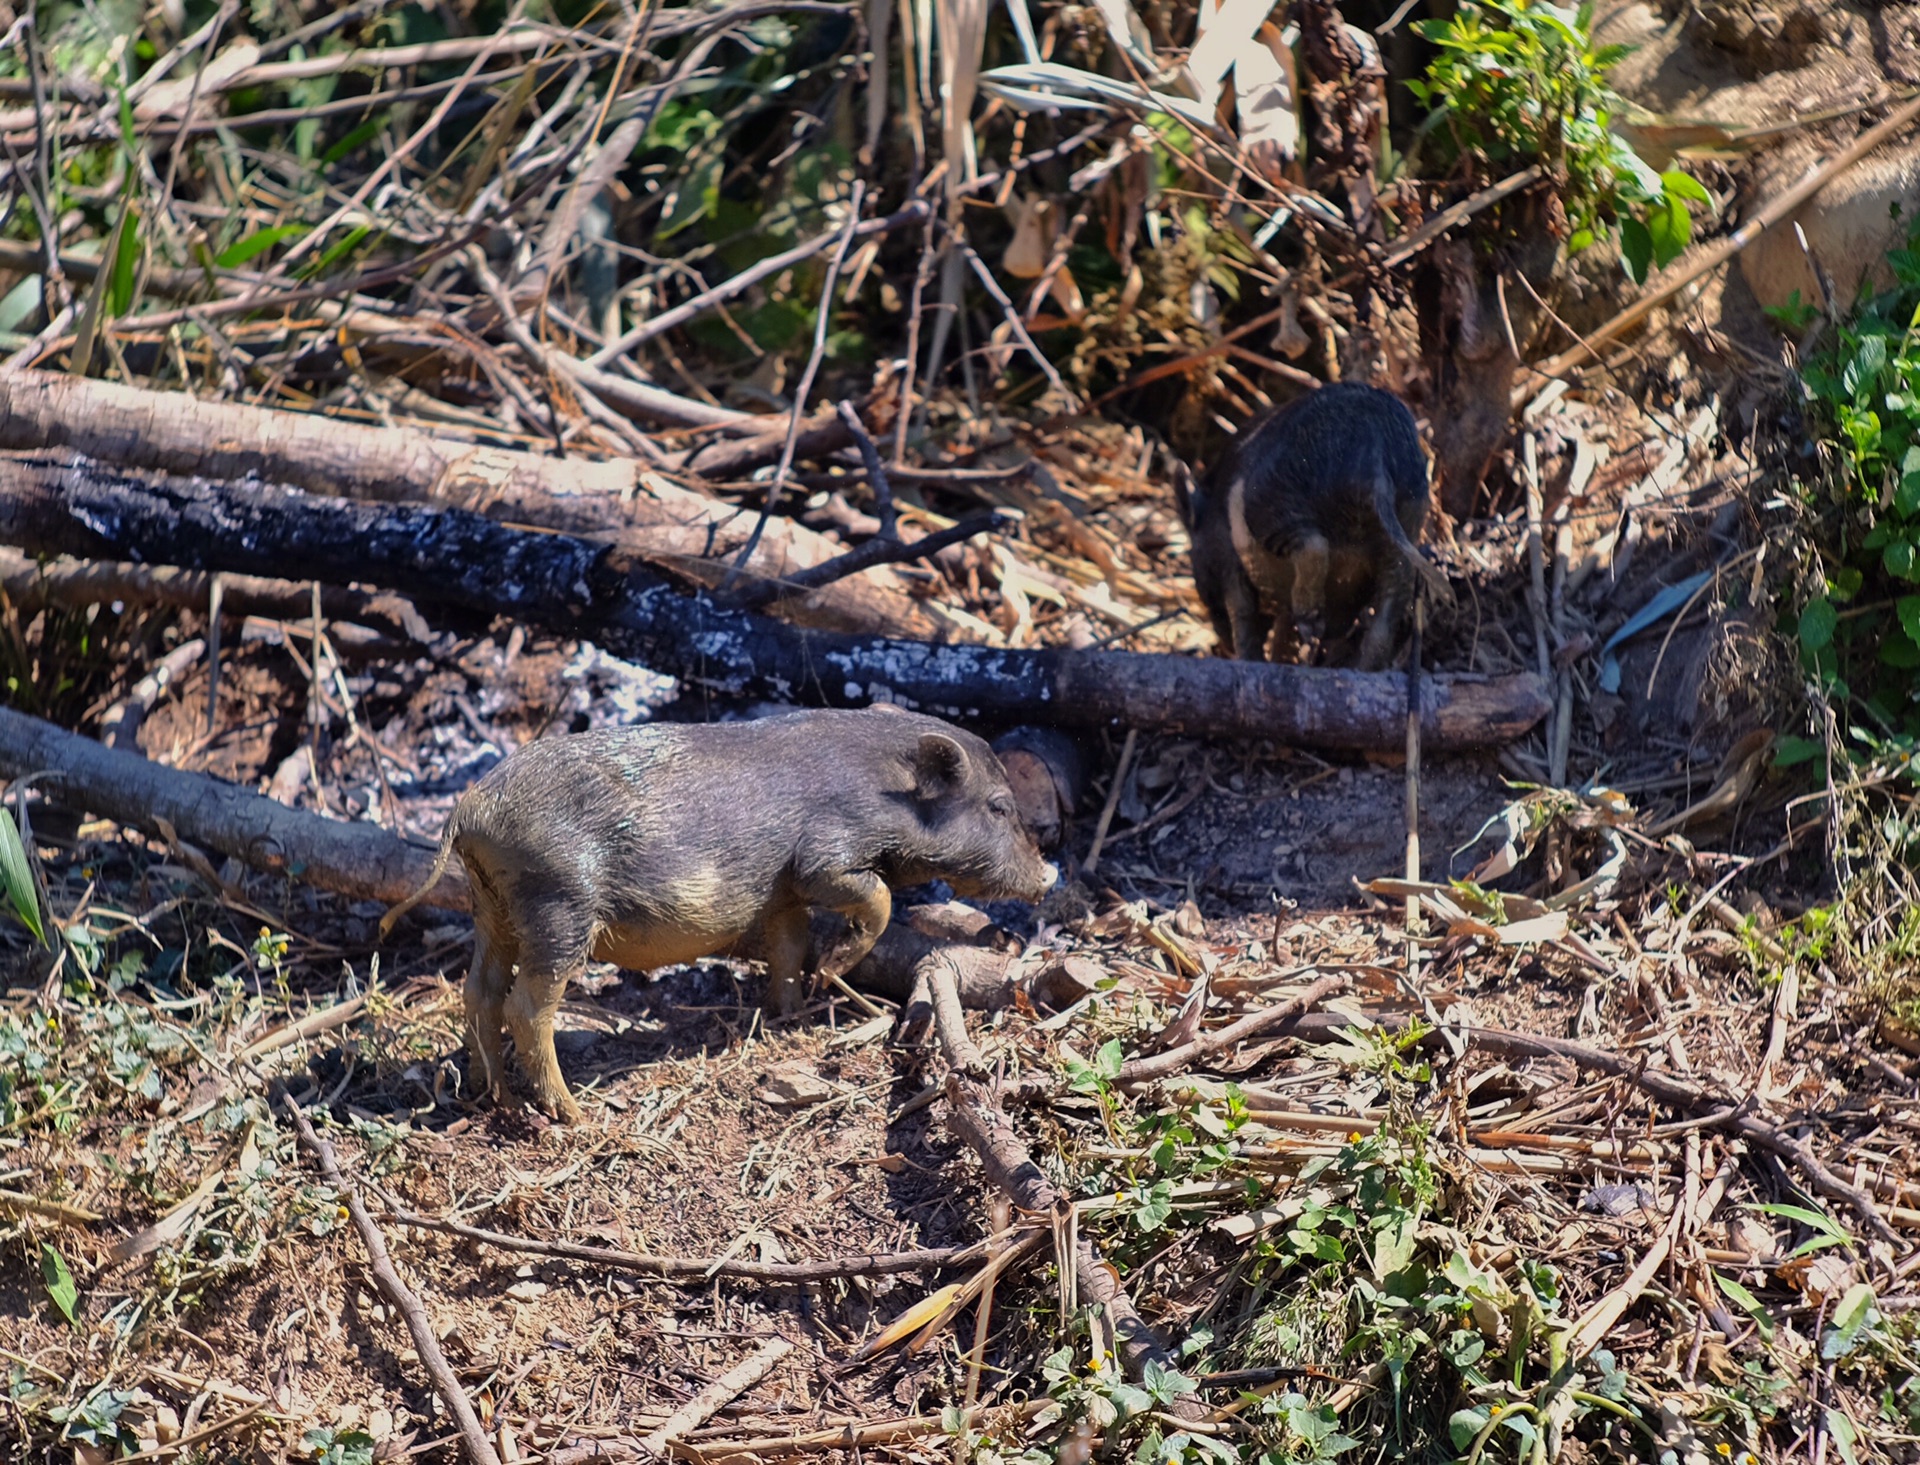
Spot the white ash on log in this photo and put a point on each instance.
(68, 505)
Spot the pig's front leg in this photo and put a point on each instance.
(1389, 610)
(863, 898)
(786, 953)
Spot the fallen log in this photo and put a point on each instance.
(73, 583)
(360, 861)
(646, 514)
(72, 506)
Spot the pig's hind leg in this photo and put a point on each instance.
(555, 939)
(1248, 623)
(488, 980)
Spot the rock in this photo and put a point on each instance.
(1850, 225)
(793, 1086)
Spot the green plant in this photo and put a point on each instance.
(339, 1447)
(1859, 631)
(1518, 82)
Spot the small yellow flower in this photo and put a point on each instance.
(343, 1213)
(265, 932)
(1724, 1448)
(1495, 1410)
(1354, 1138)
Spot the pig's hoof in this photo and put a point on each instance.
(563, 1110)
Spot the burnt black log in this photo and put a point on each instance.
(67, 504)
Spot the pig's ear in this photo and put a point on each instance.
(939, 765)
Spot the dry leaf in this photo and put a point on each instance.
(927, 1310)
(1034, 227)
(1265, 90)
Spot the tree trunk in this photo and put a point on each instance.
(70, 506)
(1473, 312)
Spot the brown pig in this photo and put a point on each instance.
(651, 846)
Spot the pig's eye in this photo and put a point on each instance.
(1001, 808)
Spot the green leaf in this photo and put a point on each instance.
(1792, 752)
(1850, 1319)
(1156, 1204)
(1899, 560)
(336, 252)
(1840, 1427)
(256, 243)
(16, 874)
(126, 259)
(365, 133)
(1108, 1061)
(1465, 1426)
(86, 331)
(59, 1282)
(1669, 227)
(1741, 1298)
(1636, 248)
(1393, 1244)
(1844, 583)
(1817, 623)
(1580, 239)
(1685, 185)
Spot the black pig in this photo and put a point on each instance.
(651, 846)
(1314, 510)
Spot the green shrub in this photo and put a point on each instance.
(1860, 631)
(1518, 82)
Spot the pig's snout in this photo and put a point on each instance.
(1036, 878)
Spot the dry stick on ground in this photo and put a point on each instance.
(980, 1121)
(885, 548)
(68, 505)
(479, 1451)
(76, 583)
(122, 721)
(717, 1395)
(1775, 212)
(847, 1437)
(666, 320)
(698, 1270)
(1161, 1065)
(1666, 1089)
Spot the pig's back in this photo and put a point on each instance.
(717, 808)
(1313, 465)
